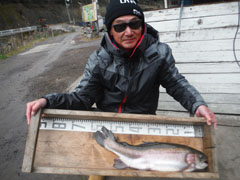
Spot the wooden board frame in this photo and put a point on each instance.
(42, 141)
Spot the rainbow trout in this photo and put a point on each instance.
(152, 156)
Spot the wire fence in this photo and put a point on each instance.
(14, 39)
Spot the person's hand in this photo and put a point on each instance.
(33, 107)
(203, 111)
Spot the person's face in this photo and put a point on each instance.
(128, 37)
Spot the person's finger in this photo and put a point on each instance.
(214, 120)
(203, 111)
(28, 112)
(207, 116)
(209, 121)
(35, 108)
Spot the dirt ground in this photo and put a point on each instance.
(60, 75)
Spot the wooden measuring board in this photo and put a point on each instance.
(62, 142)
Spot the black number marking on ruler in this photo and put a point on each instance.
(48, 123)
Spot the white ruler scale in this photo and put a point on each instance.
(50, 123)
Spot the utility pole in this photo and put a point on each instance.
(67, 3)
(72, 10)
(80, 8)
(96, 22)
(165, 4)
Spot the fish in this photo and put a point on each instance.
(152, 156)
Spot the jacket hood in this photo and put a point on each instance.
(149, 36)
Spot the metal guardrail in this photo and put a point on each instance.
(16, 31)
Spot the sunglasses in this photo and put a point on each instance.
(135, 24)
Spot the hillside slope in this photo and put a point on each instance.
(16, 15)
(22, 13)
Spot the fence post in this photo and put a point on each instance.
(12, 43)
(52, 33)
(1, 47)
(46, 33)
(22, 38)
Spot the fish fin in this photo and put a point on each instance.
(124, 144)
(119, 164)
(107, 133)
(99, 137)
(189, 168)
(150, 143)
(159, 144)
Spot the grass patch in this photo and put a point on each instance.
(20, 49)
(3, 56)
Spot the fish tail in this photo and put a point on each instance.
(101, 136)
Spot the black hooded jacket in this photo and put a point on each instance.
(119, 82)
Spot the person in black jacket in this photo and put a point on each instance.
(125, 73)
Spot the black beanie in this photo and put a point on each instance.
(117, 8)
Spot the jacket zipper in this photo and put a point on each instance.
(120, 106)
(125, 97)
